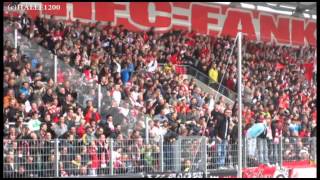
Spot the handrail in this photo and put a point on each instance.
(210, 82)
(214, 85)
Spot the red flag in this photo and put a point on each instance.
(145, 37)
(308, 71)
(279, 66)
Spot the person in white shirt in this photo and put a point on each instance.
(34, 123)
(117, 95)
(158, 129)
(60, 128)
(152, 65)
(118, 69)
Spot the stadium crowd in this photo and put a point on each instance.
(126, 64)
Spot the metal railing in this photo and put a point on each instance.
(65, 158)
(100, 158)
(287, 149)
(232, 95)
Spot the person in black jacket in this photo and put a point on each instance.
(168, 148)
(222, 132)
(313, 143)
(218, 112)
(234, 143)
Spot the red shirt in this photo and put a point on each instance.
(284, 101)
(191, 35)
(60, 76)
(314, 115)
(178, 108)
(91, 115)
(55, 119)
(94, 157)
(191, 43)
(87, 74)
(145, 37)
(58, 34)
(174, 59)
(205, 52)
(230, 84)
(81, 130)
(247, 116)
(303, 134)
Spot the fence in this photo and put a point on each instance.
(100, 158)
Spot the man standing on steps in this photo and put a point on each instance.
(222, 136)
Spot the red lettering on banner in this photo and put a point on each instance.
(224, 9)
(232, 21)
(197, 18)
(180, 17)
(142, 18)
(280, 30)
(105, 11)
(255, 14)
(82, 10)
(127, 24)
(299, 33)
(179, 27)
(200, 19)
(185, 5)
(61, 11)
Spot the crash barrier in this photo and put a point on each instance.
(113, 157)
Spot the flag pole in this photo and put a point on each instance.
(239, 103)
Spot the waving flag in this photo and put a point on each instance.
(308, 71)
(255, 130)
(279, 66)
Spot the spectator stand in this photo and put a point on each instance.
(292, 119)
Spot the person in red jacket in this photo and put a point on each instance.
(92, 114)
(81, 130)
(94, 161)
(304, 132)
